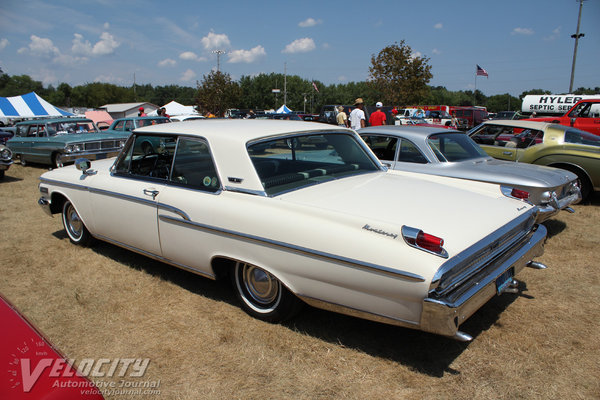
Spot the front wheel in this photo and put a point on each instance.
(57, 160)
(262, 295)
(76, 230)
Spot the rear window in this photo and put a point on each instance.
(581, 137)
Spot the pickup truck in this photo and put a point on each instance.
(584, 115)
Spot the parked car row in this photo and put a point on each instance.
(294, 212)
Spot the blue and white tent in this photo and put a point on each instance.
(283, 110)
(29, 105)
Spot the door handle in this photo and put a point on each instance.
(507, 153)
(151, 192)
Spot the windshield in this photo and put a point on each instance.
(454, 147)
(71, 127)
(290, 163)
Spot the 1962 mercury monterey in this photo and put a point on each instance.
(295, 211)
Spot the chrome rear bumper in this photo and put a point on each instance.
(443, 316)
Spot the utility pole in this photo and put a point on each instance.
(576, 36)
(218, 53)
(285, 84)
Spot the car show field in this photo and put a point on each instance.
(108, 302)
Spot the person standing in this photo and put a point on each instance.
(378, 117)
(342, 118)
(357, 116)
(141, 112)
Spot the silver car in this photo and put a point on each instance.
(453, 154)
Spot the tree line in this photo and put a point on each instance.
(396, 77)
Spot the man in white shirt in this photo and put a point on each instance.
(357, 116)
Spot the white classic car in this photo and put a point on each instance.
(295, 210)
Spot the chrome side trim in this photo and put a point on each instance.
(63, 184)
(298, 249)
(156, 257)
(122, 196)
(354, 312)
(181, 213)
(247, 191)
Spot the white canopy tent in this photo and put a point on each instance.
(175, 108)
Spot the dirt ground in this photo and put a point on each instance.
(106, 302)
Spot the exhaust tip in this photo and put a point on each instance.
(462, 336)
(536, 265)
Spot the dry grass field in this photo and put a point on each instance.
(106, 302)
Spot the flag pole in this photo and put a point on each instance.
(475, 91)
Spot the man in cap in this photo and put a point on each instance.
(357, 116)
(341, 118)
(378, 117)
(141, 112)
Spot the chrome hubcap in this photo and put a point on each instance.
(73, 222)
(260, 285)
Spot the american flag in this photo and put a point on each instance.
(315, 86)
(481, 71)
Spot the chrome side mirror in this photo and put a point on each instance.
(83, 164)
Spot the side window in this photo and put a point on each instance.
(410, 153)
(194, 167)
(119, 126)
(384, 147)
(148, 156)
(129, 125)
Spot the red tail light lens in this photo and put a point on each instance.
(520, 194)
(429, 242)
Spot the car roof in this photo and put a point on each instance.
(239, 129)
(52, 120)
(406, 131)
(146, 117)
(519, 123)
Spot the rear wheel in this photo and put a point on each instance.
(262, 295)
(76, 230)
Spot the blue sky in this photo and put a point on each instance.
(522, 44)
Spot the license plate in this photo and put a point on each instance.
(504, 280)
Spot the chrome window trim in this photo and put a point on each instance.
(246, 191)
(298, 249)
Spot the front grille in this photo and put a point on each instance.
(92, 146)
(101, 145)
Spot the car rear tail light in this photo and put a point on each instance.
(424, 241)
(429, 242)
(520, 194)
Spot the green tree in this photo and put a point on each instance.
(17, 85)
(400, 77)
(217, 93)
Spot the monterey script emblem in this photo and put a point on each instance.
(379, 231)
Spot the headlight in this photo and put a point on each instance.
(121, 143)
(6, 154)
(69, 148)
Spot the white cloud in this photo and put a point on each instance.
(188, 55)
(436, 51)
(106, 26)
(106, 45)
(522, 31)
(416, 54)
(326, 45)
(342, 78)
(300, 46)
(307, 23)
(215, 41)
(111, 79)
(3, 43)
(246, 56)
(167, 62)
(188, 76)
(42, 47)
(439, 25)
(67, 60)
(555, 34)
